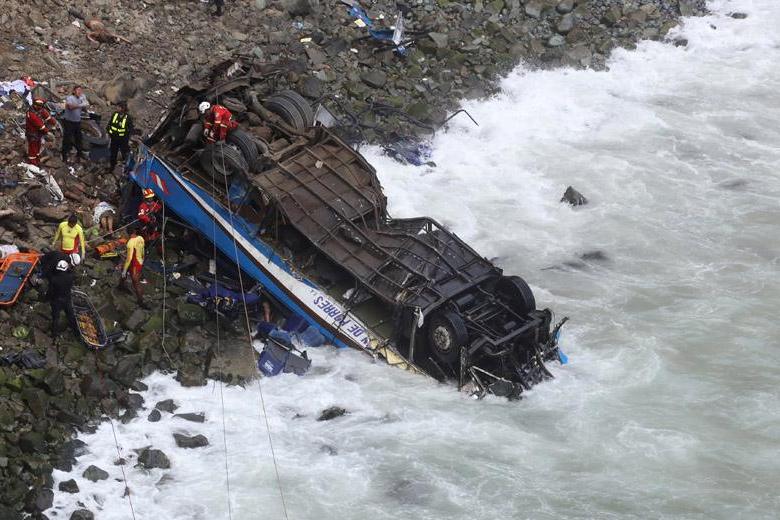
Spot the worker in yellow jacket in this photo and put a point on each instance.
(134, 262)
(72, 237)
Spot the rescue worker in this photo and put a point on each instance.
(217, 122)
(148, 212)
(60, 284)
(37, 125)
(72, 236)
(71, 136)
(119, 128)
(134, 262)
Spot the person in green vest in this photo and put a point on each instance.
(119, 128)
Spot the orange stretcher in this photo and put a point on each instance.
(15, 270)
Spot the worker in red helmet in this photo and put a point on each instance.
(217, 122)
(148, 212)
(37, 125)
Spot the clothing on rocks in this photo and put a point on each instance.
(72, 238)
(101, 208)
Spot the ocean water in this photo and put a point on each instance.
(669, 406)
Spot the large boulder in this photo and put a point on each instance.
(94, 474)
(68, 486)
(150, 458)
(127, 369)
(82, 514)
(184, 441)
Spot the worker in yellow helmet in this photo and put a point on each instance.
(72, 237)
(134, 262)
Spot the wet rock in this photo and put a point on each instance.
(138, 386)
(331, 413)
(150, 458)
(53, 381)
(31, 442)
(594, 256)
(44, 499)
(374, 78)
(738, 16)
(574, 197)
(94, 474)
(68, 486)
(6, 513)
(136, 319)
(82, 514)
(191, 376)
(94, 386)
(131, 401)
(168, 405)
(192, 417)
(154, 416)
(197, 441)
(127, 369)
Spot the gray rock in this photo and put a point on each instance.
(301, 7)
(566, 24)
(167, 406)
(136, 319)
(374, 78)
(739, 16)
(150, 458)
(127, 369)
(612, 16)
(132, 401)
(556, 40)
(331, 413)
(260, 4)
(687, 7)
(138, 386)
(94, 474)
(154, 416)
(184, 441)
(31, 442)
(440, 39)
(565, 6)
(82, 514)
(68, 486)
(193, 417)
(311, 87)
(574, 197)
(533, 9)
(44, 499)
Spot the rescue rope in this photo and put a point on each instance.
(219, 349)
(249, 338)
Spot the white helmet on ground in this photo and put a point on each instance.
(75, 259)
(62, 265)
(203, 107)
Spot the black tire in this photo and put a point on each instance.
(447, 334)
(246, 144)
(233, 104)
(516, 294)
(219, 159)
(195, 134)
(287, 110)
(303, 106)
(94, 134)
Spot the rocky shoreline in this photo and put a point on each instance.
(454, 51)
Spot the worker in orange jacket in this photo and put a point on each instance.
(37, 125)
(217, 122)
(148, 211)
